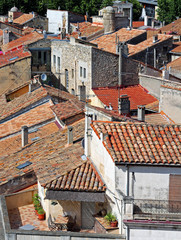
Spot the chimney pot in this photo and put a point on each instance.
(24, 135)
(70, 134)
(124, 104)
(141, 113)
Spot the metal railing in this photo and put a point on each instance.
(157, 209)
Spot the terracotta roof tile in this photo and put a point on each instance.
(23, 18)
(86, 29)
(68, 109)
(108, 42)
(25, 40)
(13, 144)
(133, 49)
(137, 96)
(35, 116)
(157, 118)
(137, 24)
(154, 106)
(82, 178)
(13, 56)
(175, 27)
(129, 143)
(176, 50)
(175, 64)
(50, 156)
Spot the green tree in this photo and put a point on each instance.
(137, 8)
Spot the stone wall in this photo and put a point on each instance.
(16, 73)
(38, 22)
(162, 49)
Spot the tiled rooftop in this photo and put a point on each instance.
(68, 109)
(35, 116)
(141, 143)
(8, 108)
(176, 50)
(86, 29)
(137, 96)
(133, 49)
(50, 156)
(82, 178)
(137, 24)
(13, 144)
(108, 42)
(25, 40)
(174, 26)
(175, 64)
(13, 56)
(154, 106)
(23, 18)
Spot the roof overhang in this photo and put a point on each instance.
(75, 196)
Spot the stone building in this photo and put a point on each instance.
(76, 63)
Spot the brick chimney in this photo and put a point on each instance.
(124, 104)
(70, 134)
(141, 113)
(24, 135)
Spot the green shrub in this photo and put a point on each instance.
(41, 211)
(110, 217)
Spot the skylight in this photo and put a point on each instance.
(23, 165)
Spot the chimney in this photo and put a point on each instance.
(5, 36)
(103, 136)
(108, 20)
(82, 93)
(70, 134)
(141, 113)
(24, 135)
(165, 74)
(124, 104)
(155, 38)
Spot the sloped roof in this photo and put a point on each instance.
(137, 24)
(13, 144)
(174, 26)
(30, 118)
(86, 29)
(175, 64)
(176, 50)
(50, 156)
(129, 143)
(137, 96)
(158, 118)
(21, 102)
(68, 109)
(24, 40)
(23, 18)
(83, 178)
(108, 43)
(134, 49)
(154, 106)
(13, 56)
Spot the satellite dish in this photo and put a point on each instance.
(43, 77)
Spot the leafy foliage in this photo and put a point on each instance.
(137, 8)
(168, 10)
(110, 217)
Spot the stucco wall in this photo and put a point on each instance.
(57, 20)
(170, 103)
(147, 182)
(149, 234)
(17, 73)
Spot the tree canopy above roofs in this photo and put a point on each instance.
(168, 10)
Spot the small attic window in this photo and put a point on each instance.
(26, 164)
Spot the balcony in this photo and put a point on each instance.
(157, 210)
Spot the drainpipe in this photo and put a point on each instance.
(154, 57)
(127, 180)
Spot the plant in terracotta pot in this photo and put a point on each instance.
(111, 219)
(41, 214)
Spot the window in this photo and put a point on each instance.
(45, 57)
(39, 55)
(80, 71)
(58, 62)
(67, 78)
(54, 60)
(72, 73)
(84, 72)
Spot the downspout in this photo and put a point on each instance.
(127, 180)
(75, 82)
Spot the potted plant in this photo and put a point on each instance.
(36, 202)
(111, 219)
(41, 214)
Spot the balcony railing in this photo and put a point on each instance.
(157, 209)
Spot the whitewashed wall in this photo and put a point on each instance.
(57, 19)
